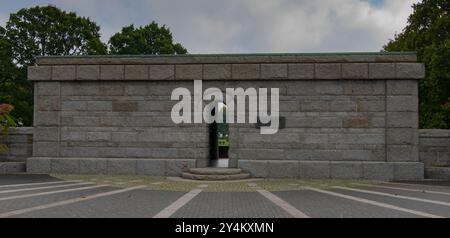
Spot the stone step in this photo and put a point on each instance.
(215, 177)
(215, 171)
(440, 173)
(12, 167)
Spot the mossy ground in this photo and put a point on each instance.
(167, 184)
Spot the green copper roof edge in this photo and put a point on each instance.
(237, 55)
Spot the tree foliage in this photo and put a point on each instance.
(47, 30)
(428, 33)
(150, 39)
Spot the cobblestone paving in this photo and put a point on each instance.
(314, 198)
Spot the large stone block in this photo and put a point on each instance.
(46, 134)
(38, 165)
(189, 72)
(328, 71)
(402, 87)
(65, 166)
(403, 119)
(371, 105)
(152, 167)
(88, 72)
(112, 72)
(283, 169)
(402, 104)
(346, 170)
(93, 166)
(216, 71)
(355, 71)
(402, 136)
(314, 169)
(176, 166)
(410, 71)
(39, 73)
(245, 71)
(122, 166)
(65, 72)
(301, 71)
(47, 103)
(378, 171)
(136, 72)
(258, 169)
(402, 153)
(162, 72)
(45, 149)
(382, 71)
(124, 106)
(408, 171)
(47, 88)
(274, 71)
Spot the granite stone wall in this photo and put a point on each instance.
(20, 144)
(347, 116)
(434, 147)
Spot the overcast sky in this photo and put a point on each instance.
(248, 26)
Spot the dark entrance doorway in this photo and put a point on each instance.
(219, 143)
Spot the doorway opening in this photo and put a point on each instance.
(219, 139)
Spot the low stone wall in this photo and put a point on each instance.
(20, 143)
(434, 147)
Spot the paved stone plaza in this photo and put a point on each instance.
(147, 197)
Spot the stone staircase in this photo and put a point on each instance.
(215, 174)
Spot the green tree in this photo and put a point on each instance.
(14, 88)
(47, 30)
(428, 33)
(150, 39)
(39, 31)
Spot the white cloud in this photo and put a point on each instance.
(216, 26)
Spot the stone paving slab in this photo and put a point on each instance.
(133, 204)
(414, 205)
(51, 188)
(25, 178)
(230, 205)
(15, 204)
(421, 194)
(318, 205)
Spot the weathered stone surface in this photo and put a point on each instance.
(402, 136)
(65, 166)
(382, 71)
(402, 153)
(46, 134)
(314, 169)
(189, 72)
(124, 106)
(301, 71)
(403, 119)
(346, 170)
(112, 72)
(283, 169)
(136, 72)
(47, 88)
(356, 122)
(402, 87)
(93, 166)
(12, 167)
(216, 71)
(162, 72)
(274, 71)
(328, 71)
(48, 103)
(151, 167)
(355, 71)
(245, 71)
(408, 171)
(378, 171)
(174, 167)
(441, 173)
(37, 165)
(61, 73)
(402, 104)
(258, 169)
(88, 72)
(122, 166)
(39, 73)
(410, 71)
